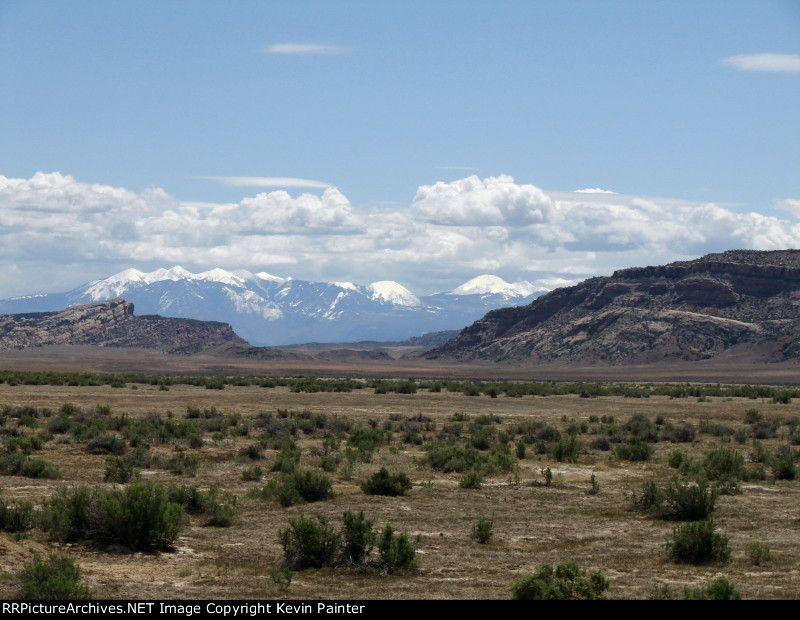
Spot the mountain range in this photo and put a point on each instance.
(736, 304)
(268, 310)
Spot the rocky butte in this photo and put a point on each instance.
(739, 304)
(112, 324)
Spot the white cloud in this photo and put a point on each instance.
(269, 182)
(304, 49)
(60, 232)
(594, 190)
(789, 204)
(482, 202)
(764, 62)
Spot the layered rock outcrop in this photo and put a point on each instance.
(112, 324)
(742, 302)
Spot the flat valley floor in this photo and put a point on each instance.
(534, 523)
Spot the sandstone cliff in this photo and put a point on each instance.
(112, 324)
(737, 302)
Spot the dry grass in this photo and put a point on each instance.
(533, 523)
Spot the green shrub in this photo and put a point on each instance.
(698, 543)
(499, 460)
(358, 537)
(784, 468)
(141, 516)
(17, 464)
(67, 515)
(296, 487)
(107, 443)
(718, 590)
(396, 550)
(683, 433)
(39, 468)
(482, 531)
(765, 429)
(634, 450)
(451, 456)
(676, 458)
(384, 483)
(253, 451)
(282, 578)
(567, 581)
(19, 518)
(688, 501)
(758, 553)
(594, 486)
(182, 464)
(288, 458)
(721, 590)
(252, 474)
(120, 470)
(759, 454)
(311, 486)
(482, 436)
(309, 544)
(25, 444)
(56, 579)
(219, 507)
(650, 499)
(724, 463)
(565, 449)
(753, 416)
(641, 427)
(473, 479)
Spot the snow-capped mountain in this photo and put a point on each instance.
(269, 310)
(492, 285)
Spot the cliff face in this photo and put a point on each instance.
(745, 302)
(112, 324)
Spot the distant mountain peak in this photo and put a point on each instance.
(175, 273)
(391, 292)
(270, 278)
(489, 284)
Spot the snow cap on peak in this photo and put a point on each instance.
(114, 286)
(174, 274)
(221, 276)
(269, 277)
(489, 284)
(391, 292)
(346, 285)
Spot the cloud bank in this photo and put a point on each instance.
(269, 182)
(57, 232)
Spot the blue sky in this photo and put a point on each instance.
(172, 103)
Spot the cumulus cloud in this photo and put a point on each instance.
(789, 204)
(764, 62)
(494, 201)
(304, 49)
(59, 232)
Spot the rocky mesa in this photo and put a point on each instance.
(735, 303)
(112, 324)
